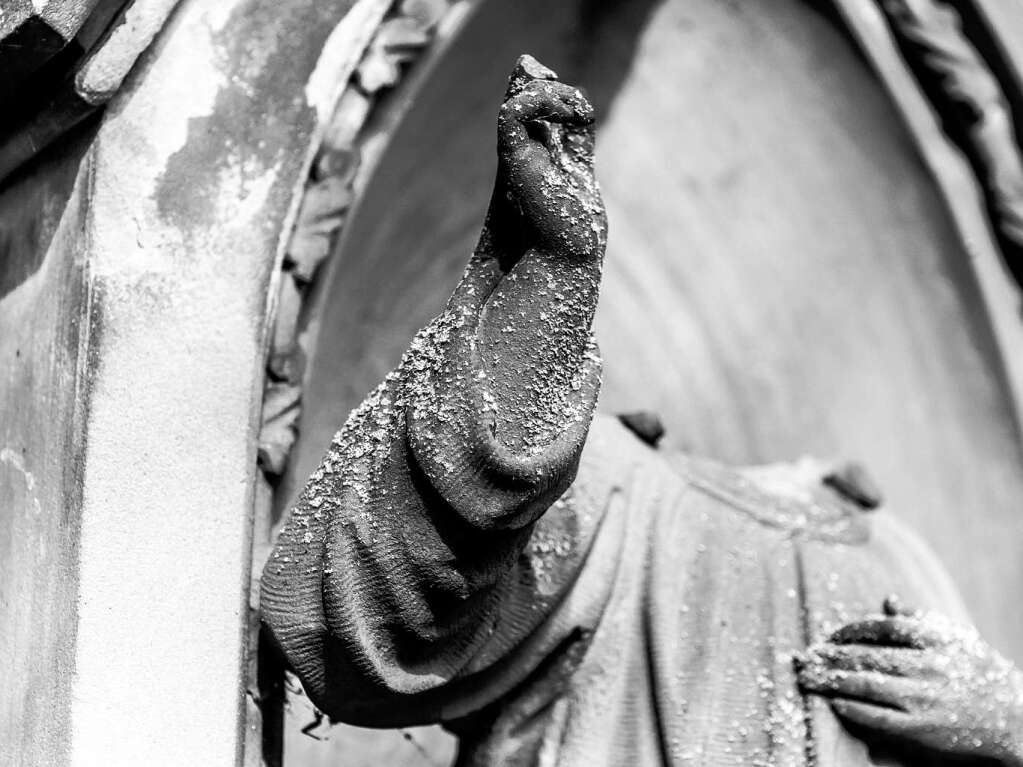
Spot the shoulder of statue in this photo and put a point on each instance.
(790, 497)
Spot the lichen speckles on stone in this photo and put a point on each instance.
(922, 677)
(422, 509)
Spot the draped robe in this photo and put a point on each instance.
(635, 607)
(476, 549)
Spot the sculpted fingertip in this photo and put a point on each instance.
(528, 66)
(840, 706)
(837, 637)
(813, 676)
(526, 70)
(582, 108)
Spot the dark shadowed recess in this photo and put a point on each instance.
(32, 201)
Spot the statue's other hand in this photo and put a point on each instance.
(924, 680)
(547, 190)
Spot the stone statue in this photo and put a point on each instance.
(478, 549)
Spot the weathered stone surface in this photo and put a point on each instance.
(396, 43)
(287, 359)
(904, 370)
(131, 340)
(319, 218)
(280, 415)
(43, 106)
(458, 556)
(105, 68)
(44, 353)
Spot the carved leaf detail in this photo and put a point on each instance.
(348, 118)
(287, 361)
(397, 41)
(320, 216)
(281, 408)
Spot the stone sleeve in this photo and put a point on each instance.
(402, 565)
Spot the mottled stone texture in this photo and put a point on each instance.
(43, 369)
(134, 291)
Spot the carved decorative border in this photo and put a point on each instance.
(329, 193)
(407, 30)
(974, 109)
(957, 181)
